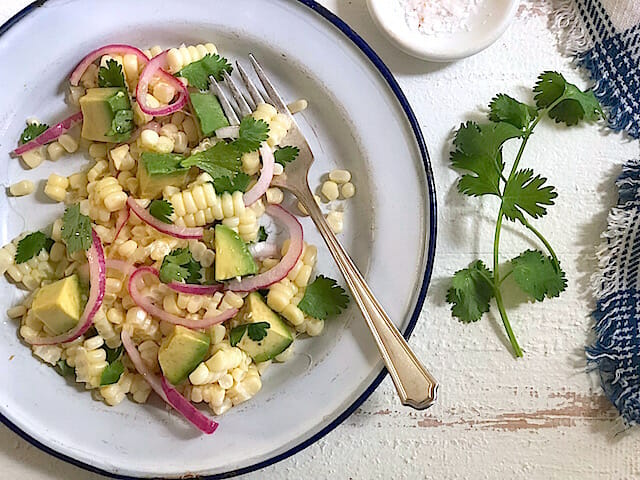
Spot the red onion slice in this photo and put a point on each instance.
(121, 221)
(166, 391)
(98, 279)
(191, 289)
(283, 268)
(266, 175)
(152, 309)
(231, 131)
(113, 49)
(262, 250)
(50, 134)
(186, 408)
(173, 230)
(121, 265)
(153, 68)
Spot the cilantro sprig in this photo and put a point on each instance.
(32, 131)
(256, 331)
(32, 245)
(323, 298)
(76, 229)
(180, 266)
(197, 73)
(523, 195)
(222, 160)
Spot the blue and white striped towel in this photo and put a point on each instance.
(604, 38)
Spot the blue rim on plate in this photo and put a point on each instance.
(404, 103)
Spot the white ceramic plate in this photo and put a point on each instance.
(358, 119)
(484, 27)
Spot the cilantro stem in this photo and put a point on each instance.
(507, 326)
(542, 239)
(496, 246)
(506, 276)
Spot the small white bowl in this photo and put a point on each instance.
(485, 26)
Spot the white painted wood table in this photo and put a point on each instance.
(541, 417)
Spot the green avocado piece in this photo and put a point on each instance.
(278, 337)
(181, 353)
(159, 170)
(99, 108)
(59, 304)
(208, 111)
(233, 258)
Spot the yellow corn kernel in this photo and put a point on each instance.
(24, 187)
(34, 157)
(69, 143)
(340, 176)
(348, 190)
(330, 190)
(55, 151)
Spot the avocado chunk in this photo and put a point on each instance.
(208, 111)
(232, 255)
(59, 304)
(159, 170)
(181, 353)
(106, 114)
(278, 337)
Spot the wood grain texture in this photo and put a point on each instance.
(541, 417)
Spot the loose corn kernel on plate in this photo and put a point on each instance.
(167, 313)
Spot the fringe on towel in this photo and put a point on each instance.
(570, 28)
(615, 353)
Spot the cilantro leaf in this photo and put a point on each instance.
(526, 192)
(113, 354)
(162, 163)
(32, 131)
(538, 275)
(111, 75)
(236, 334)
(504, 108)
(262, 234)
(478, 150)
(64, 369)
(323, 297)
(111, 373)
(180, 265)
(221, 160)
(470, 292)
(32, 245)
(162, 210)
(76, 229)
(284, 155)
(573, 105)
(252, 133)
(240, 181)
(256, 331)
(198, 72)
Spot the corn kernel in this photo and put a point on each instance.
(34, 157)
(24, 187)
(348, 190)
(55, 151)
(330, 190)
(69, 143)
(335, 221)
(298, 106)
(340, 176)
(274, 195)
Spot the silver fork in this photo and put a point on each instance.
(415, 385)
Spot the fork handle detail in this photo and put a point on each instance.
(416, 387)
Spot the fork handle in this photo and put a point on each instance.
(416, 387)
